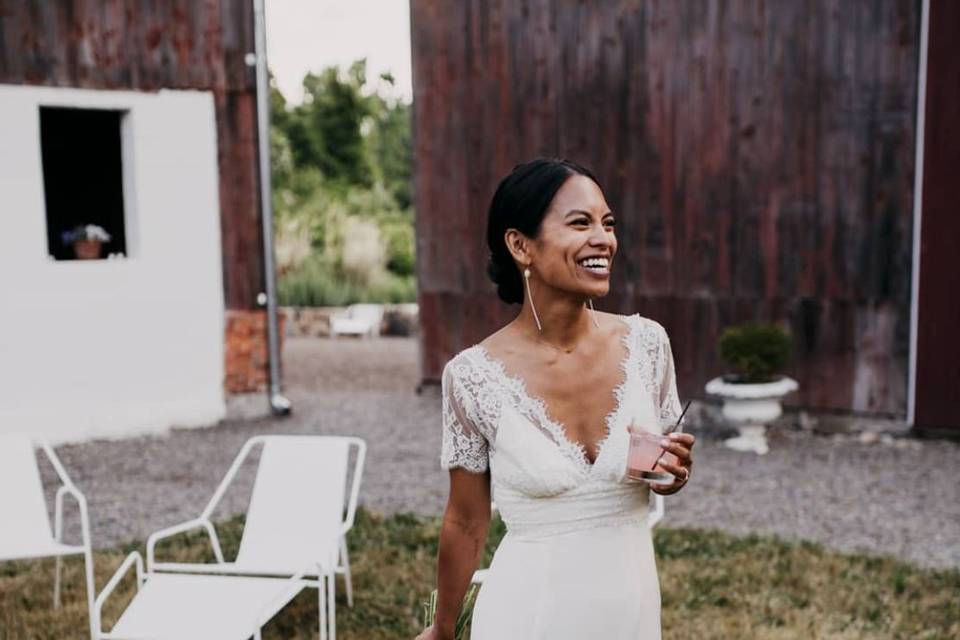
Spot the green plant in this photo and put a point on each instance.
(401, 252)
(317, 282)
(755, 352)
(462, 626)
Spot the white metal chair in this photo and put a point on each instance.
(293, 537)
(654, 516)
(25, 529)
(359, 319)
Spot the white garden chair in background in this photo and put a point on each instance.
(24, 524)
(358, 320)
(654, 516)
(294, 536)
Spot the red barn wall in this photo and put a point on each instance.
(759, 156)
(937, 410)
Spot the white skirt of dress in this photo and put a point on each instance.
(595, 583)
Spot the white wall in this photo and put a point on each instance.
(114, 347)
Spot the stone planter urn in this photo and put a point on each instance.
(750, 407)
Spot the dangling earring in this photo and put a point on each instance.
(526, 281)
(593, 313)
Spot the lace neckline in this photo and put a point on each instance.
(574, 449)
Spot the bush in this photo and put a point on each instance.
(401, 252)
(316, 283)
(755, 352)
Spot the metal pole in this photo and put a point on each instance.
(917, 211)
(278, 403)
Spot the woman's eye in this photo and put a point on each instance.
(610, 222)
(580, 222)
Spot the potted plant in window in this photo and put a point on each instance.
(86, 240)
(756, 354)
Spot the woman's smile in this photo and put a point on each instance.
(595, 266)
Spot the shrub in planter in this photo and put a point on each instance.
(755, 352)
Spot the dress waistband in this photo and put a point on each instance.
(608, 505)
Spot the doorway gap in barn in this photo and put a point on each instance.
(83, 182)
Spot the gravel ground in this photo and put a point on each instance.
(900, 498)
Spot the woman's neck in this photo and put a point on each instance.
(564, 320)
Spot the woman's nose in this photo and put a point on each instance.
(600, 237)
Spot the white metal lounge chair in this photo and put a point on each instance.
(293, 537)
(359, 319)
(25, 529)
(654, 516)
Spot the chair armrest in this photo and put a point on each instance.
(182, 528)
(132, 559)
(68, 488)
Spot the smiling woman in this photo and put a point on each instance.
(539, 416)
(518, 210)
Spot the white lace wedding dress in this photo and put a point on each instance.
(577, 560)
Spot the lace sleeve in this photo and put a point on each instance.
(464, 444)
(669, 399)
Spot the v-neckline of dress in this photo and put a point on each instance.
(577, 451)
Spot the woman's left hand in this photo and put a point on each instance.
(680, 445)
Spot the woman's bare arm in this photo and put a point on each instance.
(463, 534)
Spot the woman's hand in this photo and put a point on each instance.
(680, 445)
(432, 633)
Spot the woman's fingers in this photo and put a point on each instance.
(679, 472)
(680, 445)
(677, 449)
(686, 439)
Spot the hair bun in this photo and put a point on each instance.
(507, 278)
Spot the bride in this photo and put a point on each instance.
(537, 417)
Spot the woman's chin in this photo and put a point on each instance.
(595, 292)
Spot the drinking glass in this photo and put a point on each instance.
(644, 457)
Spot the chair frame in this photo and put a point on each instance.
(372, 331)
(67, 488)
(317, 575)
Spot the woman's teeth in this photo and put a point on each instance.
(598, 265)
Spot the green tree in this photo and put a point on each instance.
(326, 131)
(342, 194)
(391, 149)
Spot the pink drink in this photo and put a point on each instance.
(643, 455)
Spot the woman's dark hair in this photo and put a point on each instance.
(521, 202)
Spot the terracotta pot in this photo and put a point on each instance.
(87, 249)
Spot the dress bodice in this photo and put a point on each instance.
(542, 481)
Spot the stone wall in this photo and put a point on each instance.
(247, 358)
(398, 320)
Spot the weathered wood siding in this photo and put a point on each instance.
(148, 45)
(759, 155)
(938, 339)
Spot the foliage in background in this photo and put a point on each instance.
(342, 170)
(755, 352)
(713, 586)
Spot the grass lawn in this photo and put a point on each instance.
(713, 586)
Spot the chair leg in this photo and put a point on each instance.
(56, 583)
(348, 582)
(322, 604)
(332, 604)
(91, 591)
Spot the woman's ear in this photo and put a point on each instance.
(519, 246)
